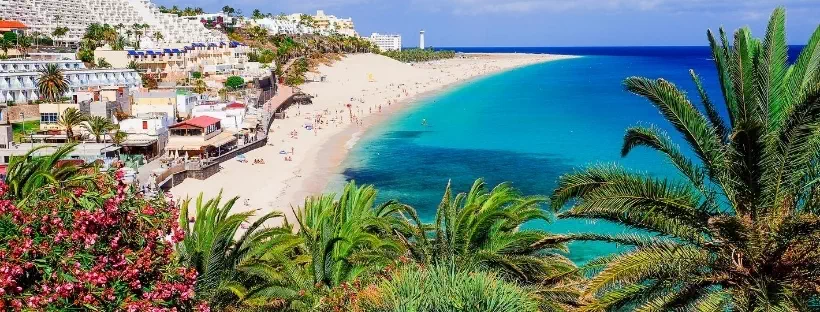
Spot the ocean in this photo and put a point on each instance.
(528, 126)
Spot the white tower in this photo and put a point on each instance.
(421, 39)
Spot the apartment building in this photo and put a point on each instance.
(44, 16)
(18, 79)
(177, 62)
(330, 23)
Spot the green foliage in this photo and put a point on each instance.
(102, 63)
(234, 82)
(228, 10)
(196, 75)
(265, 56)
(86, 246)
(6, 45)
(739, 230)
(296, 74)
(187, 11)
(256, 14)
(26, 127)
(28, 173)
(348, 237)
(98, 126)
(200, 86)
(69, 119)
(479, 229)
(10, 37)
(444, 289)
(240, 268)
(51, 83)
(86, 55)
(419, 55)
(59, 31)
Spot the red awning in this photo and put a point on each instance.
(12, 25)
(201, 122)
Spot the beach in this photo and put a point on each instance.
(306, 148)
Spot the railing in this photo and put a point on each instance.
(169, 172)
(194, 164)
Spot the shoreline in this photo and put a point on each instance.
(361, 91)
(329, 160)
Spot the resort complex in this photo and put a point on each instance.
(170, 159)
(18, 78)
(45, 16)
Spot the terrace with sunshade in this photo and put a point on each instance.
(201, 137)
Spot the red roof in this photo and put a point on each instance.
(12, 25)
(235, 105)
(199, 122)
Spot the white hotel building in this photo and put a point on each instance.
(323, 24)
(386, 42)
(18, 79)
(44, 16)
(285, 26)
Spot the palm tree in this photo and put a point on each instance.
(30, 172)
(103, 63)
(246, 272)
(51, 83)
(119, 44)
(133, 65)
(137, 29)
(59, 32)
(5, 45)
(256, 14)
(480, 231)
(157, 36)
(71, 118)
(119, 137)
(98, 126)
(348, 237)
(740, 230)
(23, 44)
(200, 86)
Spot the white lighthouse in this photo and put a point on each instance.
(421, 39)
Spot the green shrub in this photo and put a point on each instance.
(438, 289)
(234, 82)
(419, 55)
(10, 37)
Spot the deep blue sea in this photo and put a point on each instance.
(527, 126)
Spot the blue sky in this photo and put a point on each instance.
(546, 22)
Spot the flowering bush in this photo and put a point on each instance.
(103, 249)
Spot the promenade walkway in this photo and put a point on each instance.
(271, 107)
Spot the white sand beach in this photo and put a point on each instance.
(375, 86)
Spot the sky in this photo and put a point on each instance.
(541, 23)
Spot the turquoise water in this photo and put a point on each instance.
(527, 126)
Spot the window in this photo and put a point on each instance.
(145, 125)
(48, 118)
